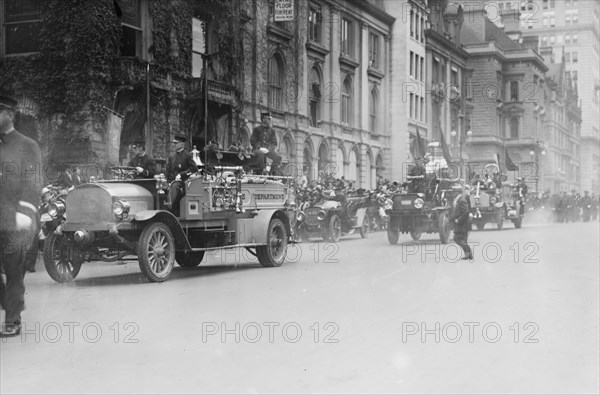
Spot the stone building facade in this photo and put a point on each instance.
(507, 86)
(324, 75)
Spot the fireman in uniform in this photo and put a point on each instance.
(20, 161)
(144, 164)
(416, 177)
(179, 167)
(461, 216)
(264, 144)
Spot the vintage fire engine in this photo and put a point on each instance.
(487, 201)
(111, 219)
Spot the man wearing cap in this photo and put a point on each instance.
(179, 167)
(461, 217)
(264, 143)
(20, 172)
(144, 164)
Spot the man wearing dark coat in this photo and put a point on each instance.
(20, 171)
(144, 164)
(461, 216)
(179, 167)
(264, 144)
(416, 177)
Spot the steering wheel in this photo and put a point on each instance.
(125, 172)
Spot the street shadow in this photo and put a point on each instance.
(177, 273)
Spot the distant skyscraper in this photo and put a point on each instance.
(573, 26)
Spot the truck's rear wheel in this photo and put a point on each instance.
(364, 229)
(444, 227)
(274, 252)
(189, 258)
(156, 252)
(62, 258)
(393, 236)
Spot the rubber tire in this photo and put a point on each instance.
(70, 269)
(334, 235)
(500, 220)
(143, 251)
(393, 236)
(415, 234)
(444, 227)
(265, 253)
(189, 258)
(364, 229)
(518, 222)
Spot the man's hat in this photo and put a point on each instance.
(265, 114)
(138, 144)
(8, 102)
(179, 139)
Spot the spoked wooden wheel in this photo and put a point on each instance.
(156, 252)
(62, 258)
(274, 252)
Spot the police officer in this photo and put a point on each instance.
(179, 167)
(144, 164)
(461, 216)
(264, 144)
(20, 168)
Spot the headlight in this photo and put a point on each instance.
(56, 209)
(321, 215)
(120, 208)
(388, 205)
(418, 203)
(300, 216)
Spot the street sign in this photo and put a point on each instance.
(284, 10)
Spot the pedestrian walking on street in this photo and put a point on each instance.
(461, 217)
(20, 171)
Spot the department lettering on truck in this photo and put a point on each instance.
(269, 196)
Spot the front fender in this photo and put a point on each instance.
(260, 224)
(166, 217)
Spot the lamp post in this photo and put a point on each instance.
(536, 150)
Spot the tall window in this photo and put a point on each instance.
(575, 19)
(276, 82)
(412, 23)
(421, 113)
(347, 38)
(514, 90)
(315, 97)
(22, 26)
(347, 101)
(574, 57)
(131, 23)
(198, 46)
(410, 56)
(514, 128)
(575, 38)
(373, 110)
(567, 39)
(314, 24)
(374, 50)
(411, 110)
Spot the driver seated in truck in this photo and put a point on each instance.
(144, 164)
(264, 144)
(179, 167)
(416, 177)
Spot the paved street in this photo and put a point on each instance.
(358, 316)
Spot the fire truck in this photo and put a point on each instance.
(111, 219)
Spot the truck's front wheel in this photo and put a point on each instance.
(274, 252)
(156, 252)
(62, 258)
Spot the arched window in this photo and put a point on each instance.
(514, 128)
(339, 162)
(323, 158)
(346, 103)
(286, 152)
(374, 110)
(369, 172)
(314, 97)
(307, 159)
(353, 167)
(276, 82)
